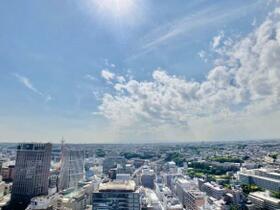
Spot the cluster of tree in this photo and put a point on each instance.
(273, 155)
(208, 168)
(129, 155)
(223, 159)
(100, 153)
(177, 157)
(247, 188)
(275, 194)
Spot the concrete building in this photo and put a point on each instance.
(70, 199)
(148, 177)
(43, 202)
(264, 178)
(31, 173)
(121, 195)
(189, 194)
(8, 170)
(262, 200)
(150, 200)
(214, 190)
(167, 198)
(72, 167)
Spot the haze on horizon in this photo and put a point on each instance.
(117, 71)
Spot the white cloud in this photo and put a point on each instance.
(217, 40)
(28, 84)
(107, 75)
(238, 93)
(203, 56)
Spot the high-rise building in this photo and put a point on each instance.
(72, 167)
(116, 196)
(31, 173)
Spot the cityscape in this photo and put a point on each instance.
(195, 176)
(140, 105)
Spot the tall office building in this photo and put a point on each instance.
(116, 196)
(31, 173)
(72, 167)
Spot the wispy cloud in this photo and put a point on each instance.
(28, 84)
(90, 77)
(191, 23)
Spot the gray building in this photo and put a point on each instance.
(189, 194)
(148, 178)
(31, 173)
(116, 196)
(214, 190)
(72, 167)
(263, 200)
(264, 178)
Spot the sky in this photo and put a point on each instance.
(139, 71)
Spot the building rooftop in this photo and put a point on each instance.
(265, 196)
(128, 186)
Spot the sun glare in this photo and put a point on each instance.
(116, 8)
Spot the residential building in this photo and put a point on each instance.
(263, 200)
(265, 178)
(214, 190)
(148, 177)
(189, 194)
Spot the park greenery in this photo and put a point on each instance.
(100, 153)
(223, 159)
(130, 155)
(247, 188)
(200, 168)
(177, 157)
(275, 194)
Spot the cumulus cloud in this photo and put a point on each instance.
(243, 84)
(217, 40)
(107, 75)
(28, 84)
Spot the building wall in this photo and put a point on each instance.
(31, 173)
(116, 201)
(72, 168)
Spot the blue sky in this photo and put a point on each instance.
(61, 61)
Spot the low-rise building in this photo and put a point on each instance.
(264, 178)
(262, 200)
(214, 190)
(189, 194)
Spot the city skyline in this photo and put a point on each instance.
(139, 71)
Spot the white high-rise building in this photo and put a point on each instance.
(72, 167)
